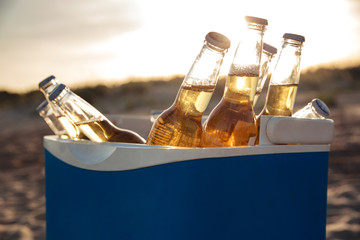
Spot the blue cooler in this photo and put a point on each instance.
(131, 191)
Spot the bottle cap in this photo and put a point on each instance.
(42, 106)
(257, 20)
(269, 48)
(46, 81)
(294, 37)
(57, 92)
(218, 40)
(320, 107)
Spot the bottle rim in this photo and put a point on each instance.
(320, 107)
(295, 37)
(257, 20)
(269, 48)
(46, 81)
(217, 40)
(58, 93)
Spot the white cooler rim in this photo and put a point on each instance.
(122, 156)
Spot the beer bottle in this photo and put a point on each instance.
(46, 86)
(89, 120)
(181, 124)
(314, 109)
(268, 55)
(284, 81)
(232, 121)
(46, 112)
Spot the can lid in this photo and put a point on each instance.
(46, 81)
(56, 92)
(296, 37)
(42, 106)
(269, 48)
(218, 40)
(257, 20)
(320, 107)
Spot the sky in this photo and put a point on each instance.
(108, 41)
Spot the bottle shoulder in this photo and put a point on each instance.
(126, 135)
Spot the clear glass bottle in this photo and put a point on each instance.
(46, 112)
(268, 55)
(232, 121)
(284, 81)
(314, 109)
(181, 124)
(47, 86)
(89, 120)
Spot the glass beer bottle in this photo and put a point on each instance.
(46, 86)
(268, 55)
(89, 120)
(284, 81)
(181, 124)
(232, 121)
(315, 109)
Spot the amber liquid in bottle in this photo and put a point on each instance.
(104, 131)
(71, 129)
(280, 100)
(181, 124)
(232, 122)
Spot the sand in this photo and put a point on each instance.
(22, 190)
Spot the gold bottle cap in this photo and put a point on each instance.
(256, 20)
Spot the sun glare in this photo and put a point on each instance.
(166, 38)
(168, 41)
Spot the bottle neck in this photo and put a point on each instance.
(245, 69)
(284, 81)
(48, 88)
(287, 69)
(249, 49)
(264, 70)
(206, 67)
(78, 110)
(198, 86)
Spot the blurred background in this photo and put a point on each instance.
(130, 57)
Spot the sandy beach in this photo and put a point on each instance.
(22, 178)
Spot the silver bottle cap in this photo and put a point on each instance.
(44, 82)
(218, 40)
(58, 92)
(320, 107)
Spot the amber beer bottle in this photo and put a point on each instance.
(268, 55)
(181, 124)
(89, 120)
(284, 81)
(232, 121)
